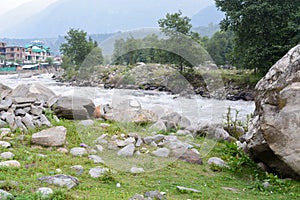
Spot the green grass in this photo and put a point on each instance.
(243, 174)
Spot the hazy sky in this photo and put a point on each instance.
(7, 5)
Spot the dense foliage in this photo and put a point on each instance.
(264, 30)
(77, 47)
(181, 47)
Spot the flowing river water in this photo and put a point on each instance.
(196, 108)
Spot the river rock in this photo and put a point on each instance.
(5, 195)
(78, 151)
(10, 163)
(273, 137)
(35, 90)
(217, 162)
(127, 151)
(97, 172)
(7, 155)
(60, 180)
(136, 170)
(2, 124)
(161, 152)
(74, 107)
(175, 120)
(96, 159)
(4, 144)
(44, 191)
(159, 126)
(51, 137)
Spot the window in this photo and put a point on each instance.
(12, 49)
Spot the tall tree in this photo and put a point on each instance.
(77, 46)
(264, 30)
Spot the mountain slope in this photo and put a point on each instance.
(98, 16)
(207, 16)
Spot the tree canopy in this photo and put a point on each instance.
(77, 47)
(264, 30)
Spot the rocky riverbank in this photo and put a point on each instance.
(220, 84)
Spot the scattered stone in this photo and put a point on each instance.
(87, 122)
(5, 195)
(96, 159)
(45, 121)
(136, 170)
(74, 107)
(20, 125)
(62, 150)
(51, 137)
(148, 139)
(99, 148)
(104, 125)
(161, 152)
(78, 168)
(2, 124)
(60, 180)
(28, 121)
(97, 172)
(45, 191)
(4, 132)
(127, 151)
(158, 138)
(217, 162)
(266, 184)
(7, 155)
(78, 151)
(154, 195)
(183, 132)
(10, 163)
(217, 133)
(187, 155)
(137, 197)
(139, 142)
(36, 110)
(5, 144)
(118, 185)
(185, 189)
(159, 126)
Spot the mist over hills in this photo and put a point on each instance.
(95, 16)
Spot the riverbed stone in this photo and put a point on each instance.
(127, 151)
(96, 159)
(217, 162)
(273, 137)
(44, 191)
(98, 172)
(7, 155)
(5, 195)
(10, 163)
(5, 144)
(74, 107)
(161, 152)
(86, 123)
(34, 90)
(158, 126)
(78, 151)
(51, 137)
(136, 170)
(60, 180)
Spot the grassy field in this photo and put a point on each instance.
(243, 180)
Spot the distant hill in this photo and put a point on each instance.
(208, 15)
(94, 16)
(207, 30)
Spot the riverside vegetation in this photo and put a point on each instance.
(242, 179)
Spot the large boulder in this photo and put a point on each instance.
(273, 137)
(35, 90)
(74, 107)
(51, 137)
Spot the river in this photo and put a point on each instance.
(195, 108)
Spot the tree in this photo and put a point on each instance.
(178, 29)
(77, 47)
(220, 47)
(264, 30)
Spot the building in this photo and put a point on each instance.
(11, 53)
(36, 52)
(15, 53)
